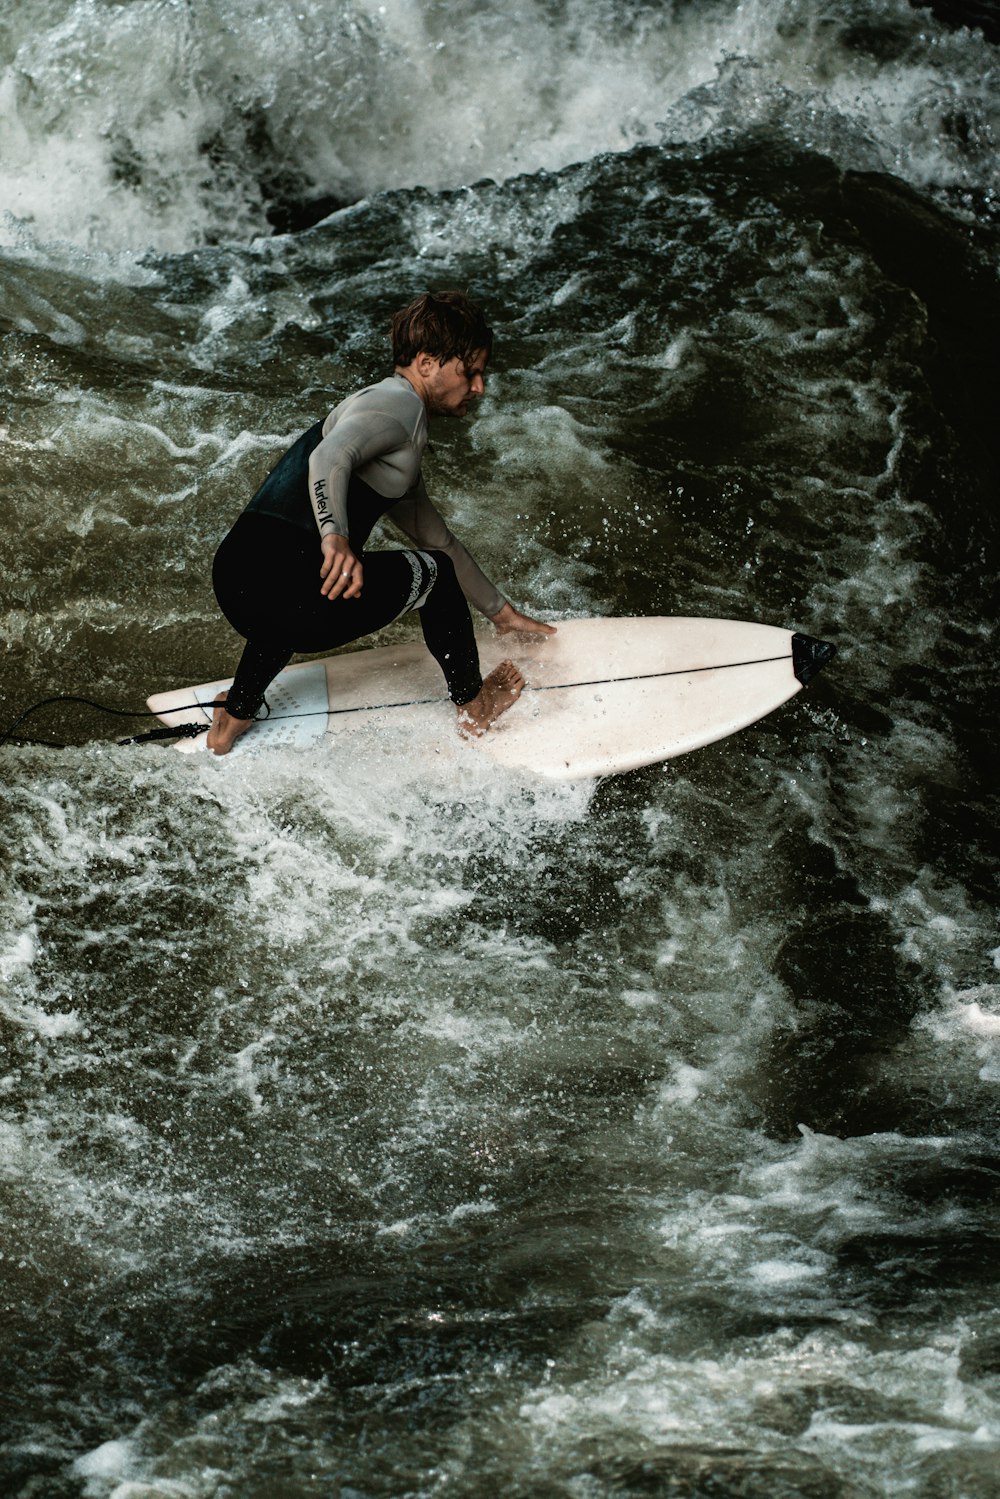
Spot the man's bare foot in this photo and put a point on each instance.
(225, 728)
(500, 690)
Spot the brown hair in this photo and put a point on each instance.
(444, 323)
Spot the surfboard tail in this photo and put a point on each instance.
(809, 656)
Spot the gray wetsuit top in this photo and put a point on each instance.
(363, 462)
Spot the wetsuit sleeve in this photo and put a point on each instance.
(352, 442)
(417, 518)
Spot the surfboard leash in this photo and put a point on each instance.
(808, 657)
(166, 731)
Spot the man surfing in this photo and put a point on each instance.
(293, 577)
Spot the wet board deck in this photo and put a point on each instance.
(603, 695)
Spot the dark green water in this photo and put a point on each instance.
(374, 1132)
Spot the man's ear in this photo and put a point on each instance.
(424, 363)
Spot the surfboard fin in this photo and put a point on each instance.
(809, 656)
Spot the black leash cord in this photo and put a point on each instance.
(182, 731)
(191, 730)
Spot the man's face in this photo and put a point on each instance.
(452, 387)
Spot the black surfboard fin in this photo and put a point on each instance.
(809, 656)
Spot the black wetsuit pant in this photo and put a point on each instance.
(267, 581)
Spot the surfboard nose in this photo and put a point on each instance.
(810, 656)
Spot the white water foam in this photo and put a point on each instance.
(168, 125)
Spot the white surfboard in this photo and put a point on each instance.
(603, 695)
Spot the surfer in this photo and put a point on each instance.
(293, 576)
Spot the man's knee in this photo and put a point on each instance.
(445, 566)
(445, 586)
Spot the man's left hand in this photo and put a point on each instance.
(509, 622)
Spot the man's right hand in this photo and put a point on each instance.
(341, 572)
(510, 621)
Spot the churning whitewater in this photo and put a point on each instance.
(375, 1128)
